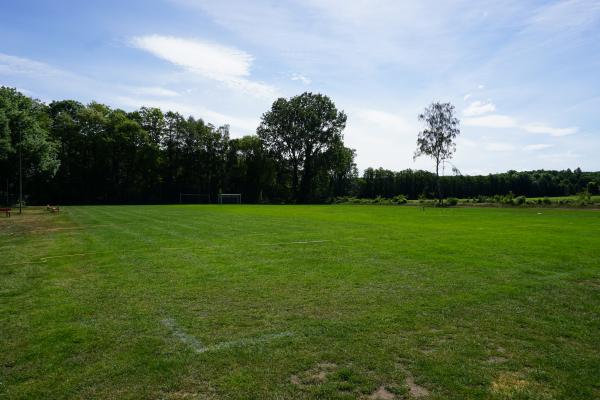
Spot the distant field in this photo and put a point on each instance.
(288, 302)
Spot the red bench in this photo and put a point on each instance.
(6, 211)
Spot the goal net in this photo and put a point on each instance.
(230, 198)
(194, 198)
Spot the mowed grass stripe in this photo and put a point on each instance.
(492, 303)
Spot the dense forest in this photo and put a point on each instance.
(73, 153)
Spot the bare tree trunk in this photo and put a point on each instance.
(295, 180)
(439, 184)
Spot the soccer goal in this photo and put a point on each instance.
(230, 198)
(194, 198)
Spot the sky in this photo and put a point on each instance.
(523, 75)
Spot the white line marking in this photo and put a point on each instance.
(197, 346)
(247, 341)
(299, 242)
(182, 336)
(149, 249)
(44, 259)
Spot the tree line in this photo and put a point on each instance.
(417, 184)
(94, 154)
(73, 153)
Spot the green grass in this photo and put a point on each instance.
(184, 302)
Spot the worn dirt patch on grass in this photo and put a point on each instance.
(595, 284)
(316, 375)
(415, 390)
(382, 394)
(32, 221)
(509, 383)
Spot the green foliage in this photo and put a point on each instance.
(438, 139)
(593, 187)
(304, 134)
(584, 198)
(451, 201)
(532, 184)
(506, 199)
(75, 153)
(24, 125)
(519, 200)
(400, 199)
(397, 200)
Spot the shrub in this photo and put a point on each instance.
(506, 199)
(593, 187)
(451, 201)
(399, 199)
(381, 200)
(520, 200)
(481, 199)
(584, 198)
(546, 201)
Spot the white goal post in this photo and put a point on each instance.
(194, 198)
(230, 198)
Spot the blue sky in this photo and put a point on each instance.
(524, 75)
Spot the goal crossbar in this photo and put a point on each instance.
(230, 198)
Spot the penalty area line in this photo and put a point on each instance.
(193, 343)
(297, 242)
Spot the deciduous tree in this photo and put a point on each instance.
(298, 131)
(437, 139)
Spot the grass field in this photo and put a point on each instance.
(278, 302)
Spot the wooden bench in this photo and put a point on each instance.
(6, 211)
(53, 209)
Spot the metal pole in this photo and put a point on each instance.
(20, 171)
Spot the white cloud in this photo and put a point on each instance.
(499, 147)
(209, 60)
(301, 78)
(239, 125)
(566, 16)
(165, 105)
(462, 141)
(556, 132)
(382, 138)
(537, 146)
(479, 108)
(480, 87)
(491, 121)
(12, 65)
(505, 121)
(25, 91)
(467, 96)
(561, 160)
(156, 91)
(386, 120)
